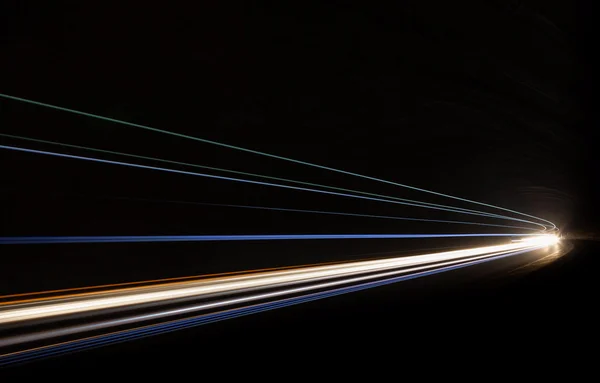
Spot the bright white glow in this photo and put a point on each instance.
(546, 239)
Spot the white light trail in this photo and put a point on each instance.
(86, 327)
(116, 299)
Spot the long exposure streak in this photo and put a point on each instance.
(264, 154)
(247, 181)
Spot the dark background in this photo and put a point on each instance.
(486, 100)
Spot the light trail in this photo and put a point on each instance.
(81, 291)
(174, 325)
(243, 283)
(42, 335)
(217, 238)
(360, 283)
(248, 174)
(241, 293)
(139, 166)
(37, 296)
(263, 154)
(324, 212)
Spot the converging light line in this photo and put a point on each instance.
(205, 238)
(93, 159)
(483, 213)
(263, 154)
(322, 212)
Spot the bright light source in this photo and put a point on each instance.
(545, 239)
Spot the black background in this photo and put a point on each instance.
(484, 100)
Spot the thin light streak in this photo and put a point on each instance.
(216, 238)
(263, 154)
(92, 159)
(248, 174)
(268, 208)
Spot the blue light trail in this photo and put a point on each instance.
(248, 181)
(111, 152)
(322, 212)
(263, 154)
(205, 238)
